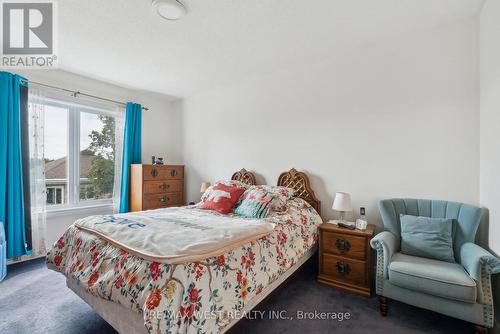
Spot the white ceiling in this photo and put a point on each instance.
(219, 41)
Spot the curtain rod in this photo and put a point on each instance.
(76, 93)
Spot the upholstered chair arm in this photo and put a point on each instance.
(481, 264)
(477, 260)
(386, 244)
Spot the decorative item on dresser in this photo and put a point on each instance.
(345, 258)
(156, 186)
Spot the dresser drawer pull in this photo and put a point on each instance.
(164, 186)
(154, 173)
(173, 172)
(164, 199)
(342, 245)
(343, 268)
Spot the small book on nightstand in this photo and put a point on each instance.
(348, 225)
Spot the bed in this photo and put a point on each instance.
(135, 294)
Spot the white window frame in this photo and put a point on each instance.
(73, 161)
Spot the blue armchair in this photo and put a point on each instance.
(461, 290)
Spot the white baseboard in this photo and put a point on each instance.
(26, 258)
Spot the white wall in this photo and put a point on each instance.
(161, 127)
(396, 118)
(490, 117)
(490, 127)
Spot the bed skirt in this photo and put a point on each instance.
(127, 321)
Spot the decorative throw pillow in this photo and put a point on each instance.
(427, 237)
(283, 194)
(234, 183)
(256, 204)
(222, 198)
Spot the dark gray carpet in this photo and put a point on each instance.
(36, 300)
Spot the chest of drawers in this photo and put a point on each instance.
(156, 186)
(345, 258)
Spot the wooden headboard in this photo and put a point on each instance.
(244, 176)
(300, 182)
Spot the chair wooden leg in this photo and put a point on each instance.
(384, 305)
(480, 329)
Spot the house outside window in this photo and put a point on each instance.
(55, 194)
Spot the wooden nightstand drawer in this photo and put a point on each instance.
(345, 258)
(343, 269)
(343, 244)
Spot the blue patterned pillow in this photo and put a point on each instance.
(256, 204)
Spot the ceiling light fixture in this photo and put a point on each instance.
(170, 9)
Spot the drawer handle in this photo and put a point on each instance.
(154, 173)
(164, 186)
(164, 199)
(342, 245)
(173, 172)
(343, 268)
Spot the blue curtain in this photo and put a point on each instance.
(132, 144)
(12, 210)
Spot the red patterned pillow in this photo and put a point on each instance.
(222, 198)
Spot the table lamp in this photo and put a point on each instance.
(204, 186)
(342, 203)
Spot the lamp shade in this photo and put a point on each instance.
(204, 186)
(342, 202)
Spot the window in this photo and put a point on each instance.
(56, 153)
(97, 159)
(79, 148)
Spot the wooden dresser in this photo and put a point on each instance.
(345, 258)
(156, 186)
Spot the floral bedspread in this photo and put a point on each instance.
(196, 297)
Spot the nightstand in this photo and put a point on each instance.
(345, 258)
